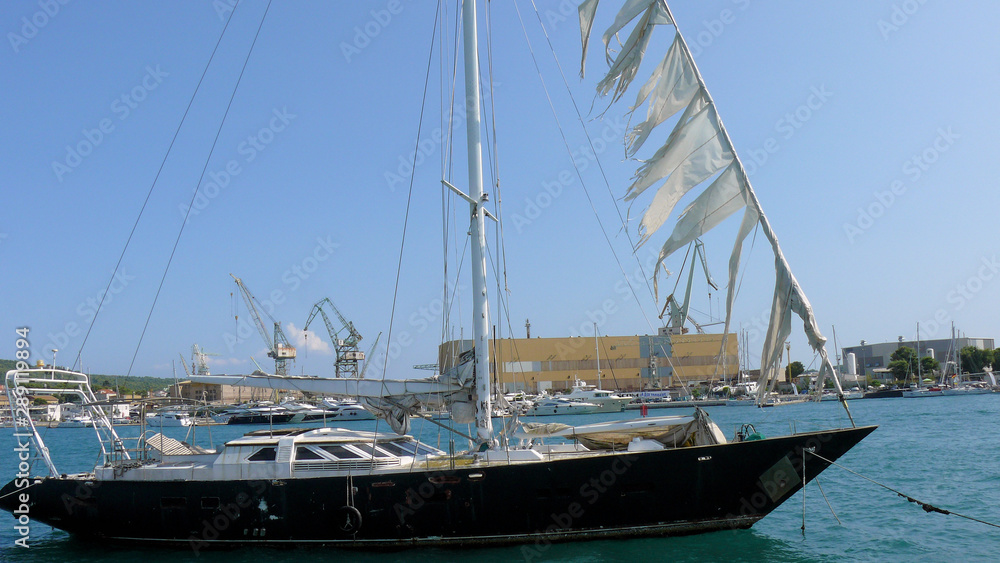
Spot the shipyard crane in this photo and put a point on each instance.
(679, 311)
(278, 348)
(348, 354)
(199, 360)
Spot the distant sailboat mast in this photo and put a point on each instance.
(597, 347)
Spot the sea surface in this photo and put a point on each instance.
(941, 450)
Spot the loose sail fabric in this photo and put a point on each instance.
(673, 85)
(626, 63)
(697, 148)
(697, 154)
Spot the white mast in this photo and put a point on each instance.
(480, 306)
(597, 347)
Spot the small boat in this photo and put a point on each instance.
(607, 400)
(346, 410)
(81, 420)
(965, 390)
(548, 406)
(168, 418)
(261, 415)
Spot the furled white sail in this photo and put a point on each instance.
(392, 399)
(697, 148)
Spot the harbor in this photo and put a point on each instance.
(951, 479)
(538, 281)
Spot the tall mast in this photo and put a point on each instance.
(480, 305)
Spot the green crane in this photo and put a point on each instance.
(278, 348)
(348, 354)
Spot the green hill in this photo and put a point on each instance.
(124, 384)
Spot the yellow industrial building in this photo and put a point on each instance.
(627, 363)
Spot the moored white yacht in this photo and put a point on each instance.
(168, 418)
(607, 400)
(553, 405)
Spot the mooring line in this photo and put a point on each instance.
(926, 506)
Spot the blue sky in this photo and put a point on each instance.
(868, 126)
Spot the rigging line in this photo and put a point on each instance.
(447, 156)
(746, 263)
(195, 194)
(150, 192)
(409, 199)
(611, 365)
(444, 167)
(498, 205)
(579, 116)
(926, 506)
(832, 511)
(451, 154)
(579, 175)
(680, 270)
(502, 304)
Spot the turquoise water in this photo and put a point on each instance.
(941, 450)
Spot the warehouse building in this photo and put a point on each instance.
(627, 363)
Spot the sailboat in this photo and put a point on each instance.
(380, 490)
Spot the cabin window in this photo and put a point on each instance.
(395, 448)
(411, 448)
(340, 452)
(374, 452)
(306, 453)
(264, 454)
